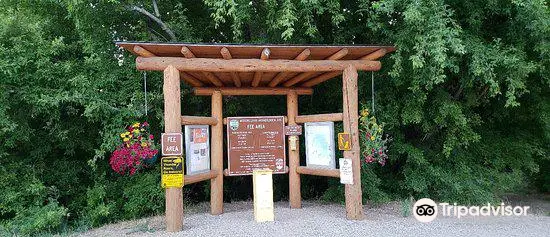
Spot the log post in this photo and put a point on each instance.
(354, 202)
(172, 124)
(216, 184)
(294, 191)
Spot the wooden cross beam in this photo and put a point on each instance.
(252, 65)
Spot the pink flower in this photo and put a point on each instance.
(151, 137)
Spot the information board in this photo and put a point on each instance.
(197, 149)
(255, 143)
(320, 145)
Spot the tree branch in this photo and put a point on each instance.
(156, 19)
(156, 8)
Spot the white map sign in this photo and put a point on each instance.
(320, 145)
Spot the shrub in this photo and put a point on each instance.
(97, 210)
(27, 206)
(143, 195)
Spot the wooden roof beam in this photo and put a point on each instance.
(304, 76)
(326, 76)
(191, 80)
(184, 76)
(252, 91)
(323, 77)
(252, 65)
(210, 76)
(375, 55)
(234, 76)
(187, 52)
(282, 75)
(258, 75)
(143, 52)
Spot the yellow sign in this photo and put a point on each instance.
(344, 141)
(263, 195)
(172, 172)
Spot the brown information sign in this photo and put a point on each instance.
(256, 143)
(172, 144)
(293, 130)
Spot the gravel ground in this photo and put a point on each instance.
(318, 219)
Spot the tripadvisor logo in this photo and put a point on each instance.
(426, 210)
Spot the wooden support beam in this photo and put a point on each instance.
(258, 75)
(213, 78)
(210, 76)
(297, 79)
(252, 65)
(251, 91)
(172, 124)
(196, 120)
(319, 79)
(338, 55)
(304, 76)
(234, 76)
(354, 201)
(318, 172)
(216, 185)
(375, 55)
(295, 195)
(187, 52)
(319, 118)
(143, 52)
(283, 75)
(191, 80)
(191, 179)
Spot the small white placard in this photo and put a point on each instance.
(346, 171)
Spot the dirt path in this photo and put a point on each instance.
(317, 219)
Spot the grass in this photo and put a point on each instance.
(406, 206)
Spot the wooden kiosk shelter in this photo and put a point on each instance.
(219, 70)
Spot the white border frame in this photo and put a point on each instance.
(309, 157)
(188, 170)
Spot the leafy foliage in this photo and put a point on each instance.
(464, 97)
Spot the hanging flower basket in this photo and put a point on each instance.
(136, 152)
(152, 160)
(373, 144)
